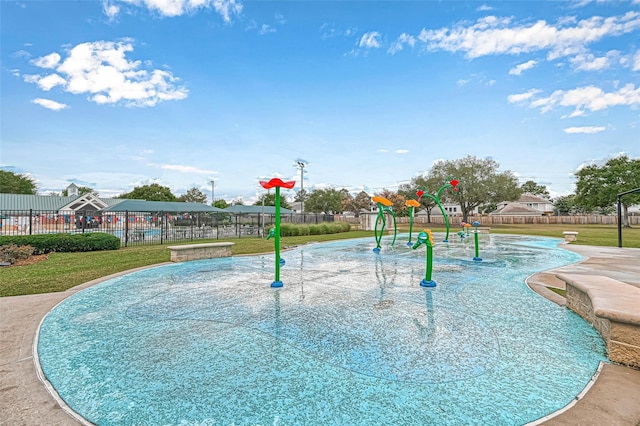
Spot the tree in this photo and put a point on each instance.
(221, 204)
(533, 188)
(428, 185)
(480, 182)
(81, 191)
(362, 201)
(270, 200)
(153, 192)
(599, 186)
(324, 201)
(14, 183)
(564, 206)
(300, 196)
(398, 201)
(193, 195)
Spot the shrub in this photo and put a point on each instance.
(11, 253)
(294, 230)
(47, 243)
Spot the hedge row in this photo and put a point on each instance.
(291, 230)
(47, 243)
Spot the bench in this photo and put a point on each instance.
(200, 251)
(570, 236)
(611, 307)
(484, 230)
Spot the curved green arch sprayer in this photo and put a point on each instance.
(384, 206)
(277, 184)
(426, 237)
(436, 198)
(412, 204)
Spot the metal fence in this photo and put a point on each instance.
(136, 228)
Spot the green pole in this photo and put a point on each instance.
(429, 258)
(277, 281)
(410, 225)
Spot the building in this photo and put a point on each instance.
(526, 205)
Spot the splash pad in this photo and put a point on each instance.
(351, 339)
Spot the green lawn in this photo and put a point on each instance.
(62, 271)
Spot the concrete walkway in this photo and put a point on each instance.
(24, 400)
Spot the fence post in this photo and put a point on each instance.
(30, 220)
(126, 227)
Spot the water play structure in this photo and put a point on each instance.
(277, 184)
(476, 242)
(436, 198)
(384, 206)
(411, 204)
(426, 237)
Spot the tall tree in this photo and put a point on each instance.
(324, 201)
(480, 182)
(533, 188)
(300, 196)
(153, 192)
(599, 186)
(362, 201)
(14, 183)
(270, 200)
(193, 195)
(564, 206)
(426, 184)
(397, 199)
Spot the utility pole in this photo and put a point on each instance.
(213, 196)
(301, 165)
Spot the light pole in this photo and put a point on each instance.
(301, 165)
(213, 196)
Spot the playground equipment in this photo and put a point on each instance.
(412, 204)
(477, 257)
(384, 206)
(277, 184)
(426, 237)
(436, 198)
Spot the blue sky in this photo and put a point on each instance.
(121, 93)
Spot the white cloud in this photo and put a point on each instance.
(589, 98)
(383, 150)
(109, 9)
(370, 40)
(266, 29)
(521, 97)
(49, 104)
(49, 61)
(517, 70)
(484, 8)
(403, 39)
(183, 169)
(636, 61)
(21, 54)
(585, 129)
(50, 81)
(401, 151)
(588, 62)
(462, 82)
(171, 8)
(102, 70)
(496, 36)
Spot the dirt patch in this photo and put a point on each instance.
(31, 260)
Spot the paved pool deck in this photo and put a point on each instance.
(613, 399)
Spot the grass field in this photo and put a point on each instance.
(62, 271)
